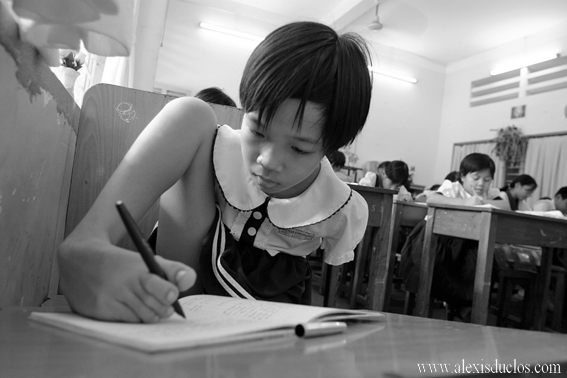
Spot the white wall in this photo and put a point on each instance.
(416, 123)
(404, 119)
(462, 123)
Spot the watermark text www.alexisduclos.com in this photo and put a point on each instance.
(482, 367)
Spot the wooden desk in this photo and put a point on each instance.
(354, 169)
(488, 226)
(404, 214)
(376, 242)
(392, 348)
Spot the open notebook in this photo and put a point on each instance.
(209, 320)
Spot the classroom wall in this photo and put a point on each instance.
(417, 123)
(403, 123)
(545, 112)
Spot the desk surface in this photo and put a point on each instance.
(393, 347)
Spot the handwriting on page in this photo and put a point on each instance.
(248, 310)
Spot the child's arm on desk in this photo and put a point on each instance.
(103, 281)
(471, 201)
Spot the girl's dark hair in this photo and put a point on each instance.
(383, 164)
(398, 172)
(337, 159)
(215, 95)
(452, 176)
(309, 61)
(476, 162)
(562, 192)
(523, 180)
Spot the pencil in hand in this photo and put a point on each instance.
(143, 247)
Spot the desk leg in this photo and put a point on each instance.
(378, 292)
(331, 285)
(360, 259)
(392, 249)
(542, 288)
(483, 275)
(426, 270)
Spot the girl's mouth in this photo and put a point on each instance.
(265, 182)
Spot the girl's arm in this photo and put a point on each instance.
(441, 199)
(471, 201)
(103, 281)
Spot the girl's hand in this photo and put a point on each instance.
(114, 284)
(474, 201)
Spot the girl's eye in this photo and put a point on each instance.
(299, 151)
(256, 133)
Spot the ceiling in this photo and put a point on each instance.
(442, 31)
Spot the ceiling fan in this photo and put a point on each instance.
(376, 24)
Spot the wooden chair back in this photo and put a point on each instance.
(112, 118)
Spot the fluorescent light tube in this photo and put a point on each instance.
(524, 63)
(394, 75)
(234, 33)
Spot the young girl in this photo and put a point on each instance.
(518, 191)
(242, 208)
(455, 260)
(396, 175)
(374, 179)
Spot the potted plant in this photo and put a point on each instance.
(70, 65)
(511, 145)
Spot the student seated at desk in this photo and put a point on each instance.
(559, 202)
(239, 209)
(374, 179)
(392, 175)
(455, 260)
(422, 197)
(518, 192)
(338, 161)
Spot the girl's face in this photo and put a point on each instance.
(477, 183)
(521, 192)
(386, 183)
(282, 160)
(381, 176)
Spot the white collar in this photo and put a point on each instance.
(327, 195)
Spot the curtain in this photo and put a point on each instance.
(462, 150)
(546, 162)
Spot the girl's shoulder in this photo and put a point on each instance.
(452, 189)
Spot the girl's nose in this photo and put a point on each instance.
(270, 159)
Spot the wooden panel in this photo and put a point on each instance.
(412, 213)
(494, 99)
(547, 88)
(514, 229)
(495, 89)
(375, 201)
(38, 122)
(495, 79)
(461, 224)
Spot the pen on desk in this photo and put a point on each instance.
(143, 247)
(320, 329)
